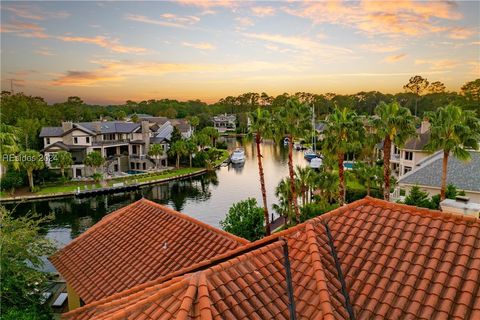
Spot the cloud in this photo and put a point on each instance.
(24, 29)
(403, 17)
(263, 11)
(104, 42)
(32, 12)
(244, 22)
(110, 71)
(209, 3)
(169, 20)
(381, 48)
(301, 43)
(438, 64)
(395, 58)
(199, 45)
(460, 33)
(44, 51)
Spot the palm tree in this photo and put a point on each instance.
(201, 140)
(191, 148)
(396, 124)
(212, 133)
(178, 149)
(293, 121)
(261, 127)
(63, 160)
(9, 144)
(283, 193)
(368, 175)
(325, 185)
(344, 133)
(94, 160)
(453, 131)
(31, 160)
(194, 122)
(156, 151)
(304, 180)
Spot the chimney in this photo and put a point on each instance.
(425, 126)
(146, 134)
(97, 126)
(67, 125)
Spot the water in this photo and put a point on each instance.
(206, 198)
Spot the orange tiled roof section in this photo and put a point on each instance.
(138, 243)
(369, 259)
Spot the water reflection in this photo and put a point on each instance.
(206, 197)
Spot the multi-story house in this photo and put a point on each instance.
(225, 122)
(125, 145)
(405, 159)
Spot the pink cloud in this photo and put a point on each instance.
(263, 11)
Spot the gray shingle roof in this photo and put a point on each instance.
(51, 132)
(112, 126)
(463, 175)
(419, 142)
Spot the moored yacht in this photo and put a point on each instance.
(238, 156)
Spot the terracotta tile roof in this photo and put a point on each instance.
(370, 259)
(138, 243)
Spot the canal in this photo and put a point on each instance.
(206, 198)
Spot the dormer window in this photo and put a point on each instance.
(48, 140)
(75, 140)
(87, 139)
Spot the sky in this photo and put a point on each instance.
(110, 52)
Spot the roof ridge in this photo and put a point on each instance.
(204, 302)
(430, 212)
(340, 210)
(195, 221)
(123, 313)
(188, 298)
(325, 302)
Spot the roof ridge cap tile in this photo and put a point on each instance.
(188, 298)
(204, 302)
(123, 313)
(197, 222)
(325, 302)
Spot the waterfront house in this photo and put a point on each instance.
(134, 245)
(163, 123)
(225, 122)
(405, 159)
(370, 259)
(125, 145)
(464, 175)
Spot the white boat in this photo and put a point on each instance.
(316, 163)
(238, 156)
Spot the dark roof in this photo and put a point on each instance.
(157, 120)
(419, 142)
(112, 126)
(463, 175)
(138, 243)
(371, 259)
(51, 132)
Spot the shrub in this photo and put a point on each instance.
(200, 159)
(13, 179)
(355, 194)
(312, 210)
(418, 198)
(222, 145)
(245, 219)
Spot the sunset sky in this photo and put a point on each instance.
(109, 52)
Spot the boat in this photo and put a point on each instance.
(316, 163)
(238, 156)
(310, 154)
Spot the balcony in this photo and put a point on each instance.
(110, 142)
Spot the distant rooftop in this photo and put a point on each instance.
(463, 175)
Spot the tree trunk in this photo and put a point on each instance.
(178, 161)
(444, 175)
(190, 155)
(293, 195)
(368, 189)
(387, 146)
(62, 170)
(30, 179)
(341, 179)
(262, 185)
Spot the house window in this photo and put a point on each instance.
(407, 170)
(48, 140)
(87, 139)
(408, 155)
(75, 140)
(132, 165)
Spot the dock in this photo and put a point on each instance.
(116, 188)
